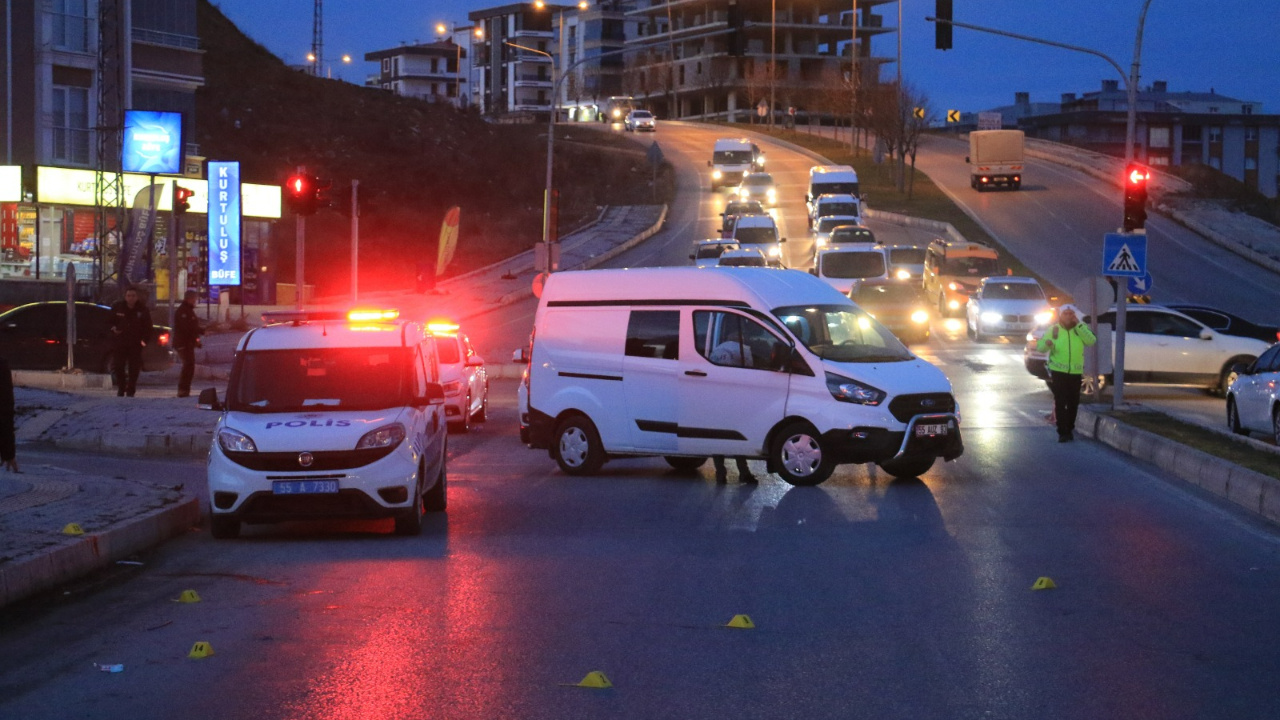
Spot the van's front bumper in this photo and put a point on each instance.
(876, 444)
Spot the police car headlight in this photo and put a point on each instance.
(385, 436)
(234, 441)
(851, 391)
(991, 318)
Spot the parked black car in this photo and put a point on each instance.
(1229, 324)
(34, 337)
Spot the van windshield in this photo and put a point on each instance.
(754, 235)
(842, 333)
(906, 256)
(731, 157)
(273, 381)
(834, 188)
(970, 266)
(853, 265)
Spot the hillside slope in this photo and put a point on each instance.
(413, 159)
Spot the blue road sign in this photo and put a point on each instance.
(1142, 285)
(1124, 255)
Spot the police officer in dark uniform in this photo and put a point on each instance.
(131, 329)
(186, 338)
(8, 454)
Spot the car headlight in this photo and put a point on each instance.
(760, 161)
(235, 441)
(920, 316)
(744, 193)
(385, 436)
(716, 174)
(954, 304)
(991, 318)
(851, 391)
(773, 194)
(1043, 318)
(822, 242)
(952, 286)
(904, 274)
(775, 251)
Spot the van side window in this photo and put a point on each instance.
(654, 334)
(731, 340)
(419, 374)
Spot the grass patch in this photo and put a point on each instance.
(1214, 443)
(927, 199)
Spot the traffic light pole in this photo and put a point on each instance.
(355, 239)
(300, 253)
(171, 246)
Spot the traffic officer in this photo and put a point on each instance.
(186, 338)
(131, 331)
(1065, 342)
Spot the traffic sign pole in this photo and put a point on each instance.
(1123, 255)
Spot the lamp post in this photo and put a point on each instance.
(551, 137)
(442, 30)
(773, 56)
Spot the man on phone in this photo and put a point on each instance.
(1065, 342)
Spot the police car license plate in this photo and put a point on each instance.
(304, 487)
(927, 430)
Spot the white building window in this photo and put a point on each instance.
(71, 26)
(386, 65)
(1250, 163)
(1250, 133)
(1215, 163)
(70, 113)
(1215, 134)
(1158, 137)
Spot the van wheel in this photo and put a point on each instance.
(409, 522)
(578, 450)
(798, 455)
(224, 527)
(1233, 418)
(908, 467)
(684, 464)
(437, 498)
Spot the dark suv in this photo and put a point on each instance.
(34, 337)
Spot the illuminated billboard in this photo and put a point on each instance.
(67, 186)
(224, 223)
(152, 142)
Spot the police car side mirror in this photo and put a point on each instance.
(475, 361)
(208, 400)
(519, 357)
(433, 396)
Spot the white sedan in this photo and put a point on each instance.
(1253, 399)
(465, 379)
(1006, 305)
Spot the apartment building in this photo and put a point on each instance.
(508, 79)
(712, 58)
(436, 71)
(592, 50)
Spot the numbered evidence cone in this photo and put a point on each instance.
(72, 529)
(1043, 583)
(200, 650)
(188, 596)
(741, 621)
(595, 679)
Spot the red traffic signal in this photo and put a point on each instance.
(300, 194)
(182, 199)
(1135, 196)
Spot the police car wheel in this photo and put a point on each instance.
(578, 450)
(798, 456)
(463, 425)
(909, 467)
(410, 521)
(437, 498)
(484, 407)
(224, 528)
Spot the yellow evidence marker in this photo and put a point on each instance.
(72, 529)
(1043, 583)
(741, 621)
(200, 650)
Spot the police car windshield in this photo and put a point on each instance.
(448, 348)
(272, 381)
(842, 333)
(754, 235)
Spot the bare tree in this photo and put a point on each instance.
(716, 78)
(916, 123)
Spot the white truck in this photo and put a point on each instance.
(995, 159)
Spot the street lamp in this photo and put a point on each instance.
(457, 66)
(551, 136)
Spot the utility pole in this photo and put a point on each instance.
(300, 250)
(317, 38)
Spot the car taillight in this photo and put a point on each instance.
(163, 339)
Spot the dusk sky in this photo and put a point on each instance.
(1227, 45)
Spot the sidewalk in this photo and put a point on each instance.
(81, 412)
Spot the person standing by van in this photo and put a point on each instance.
(131, 330)
(1065, 342)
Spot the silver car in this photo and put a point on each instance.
(1253, 399)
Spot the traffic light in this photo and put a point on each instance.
(182, 199)
(301, 194)
(942, 25)
(1135, 196)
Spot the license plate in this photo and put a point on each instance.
(924, 430)
(304, 487)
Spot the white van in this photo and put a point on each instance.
(329, 415)
(686, 363)
(845, 268)
(831, 180)
(732, 159)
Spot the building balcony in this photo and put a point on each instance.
(541, 34)
(533, 81)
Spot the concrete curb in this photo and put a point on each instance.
(29, 576)
(1257, 493)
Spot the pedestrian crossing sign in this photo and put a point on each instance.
(1124, 255)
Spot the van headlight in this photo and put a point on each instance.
(851, 391)
(904, 274)
(385, 436)
(235, 441)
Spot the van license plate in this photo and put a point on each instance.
(304, 487)
(924, 430)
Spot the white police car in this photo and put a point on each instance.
(329, 415)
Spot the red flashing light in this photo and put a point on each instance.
(1138, 175)
(163, 339)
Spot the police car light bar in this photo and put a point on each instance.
(373, 315)
(443, 327)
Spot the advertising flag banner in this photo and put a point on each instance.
(224, 223)
(142, 218)
(152, 142)
(448, 238)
